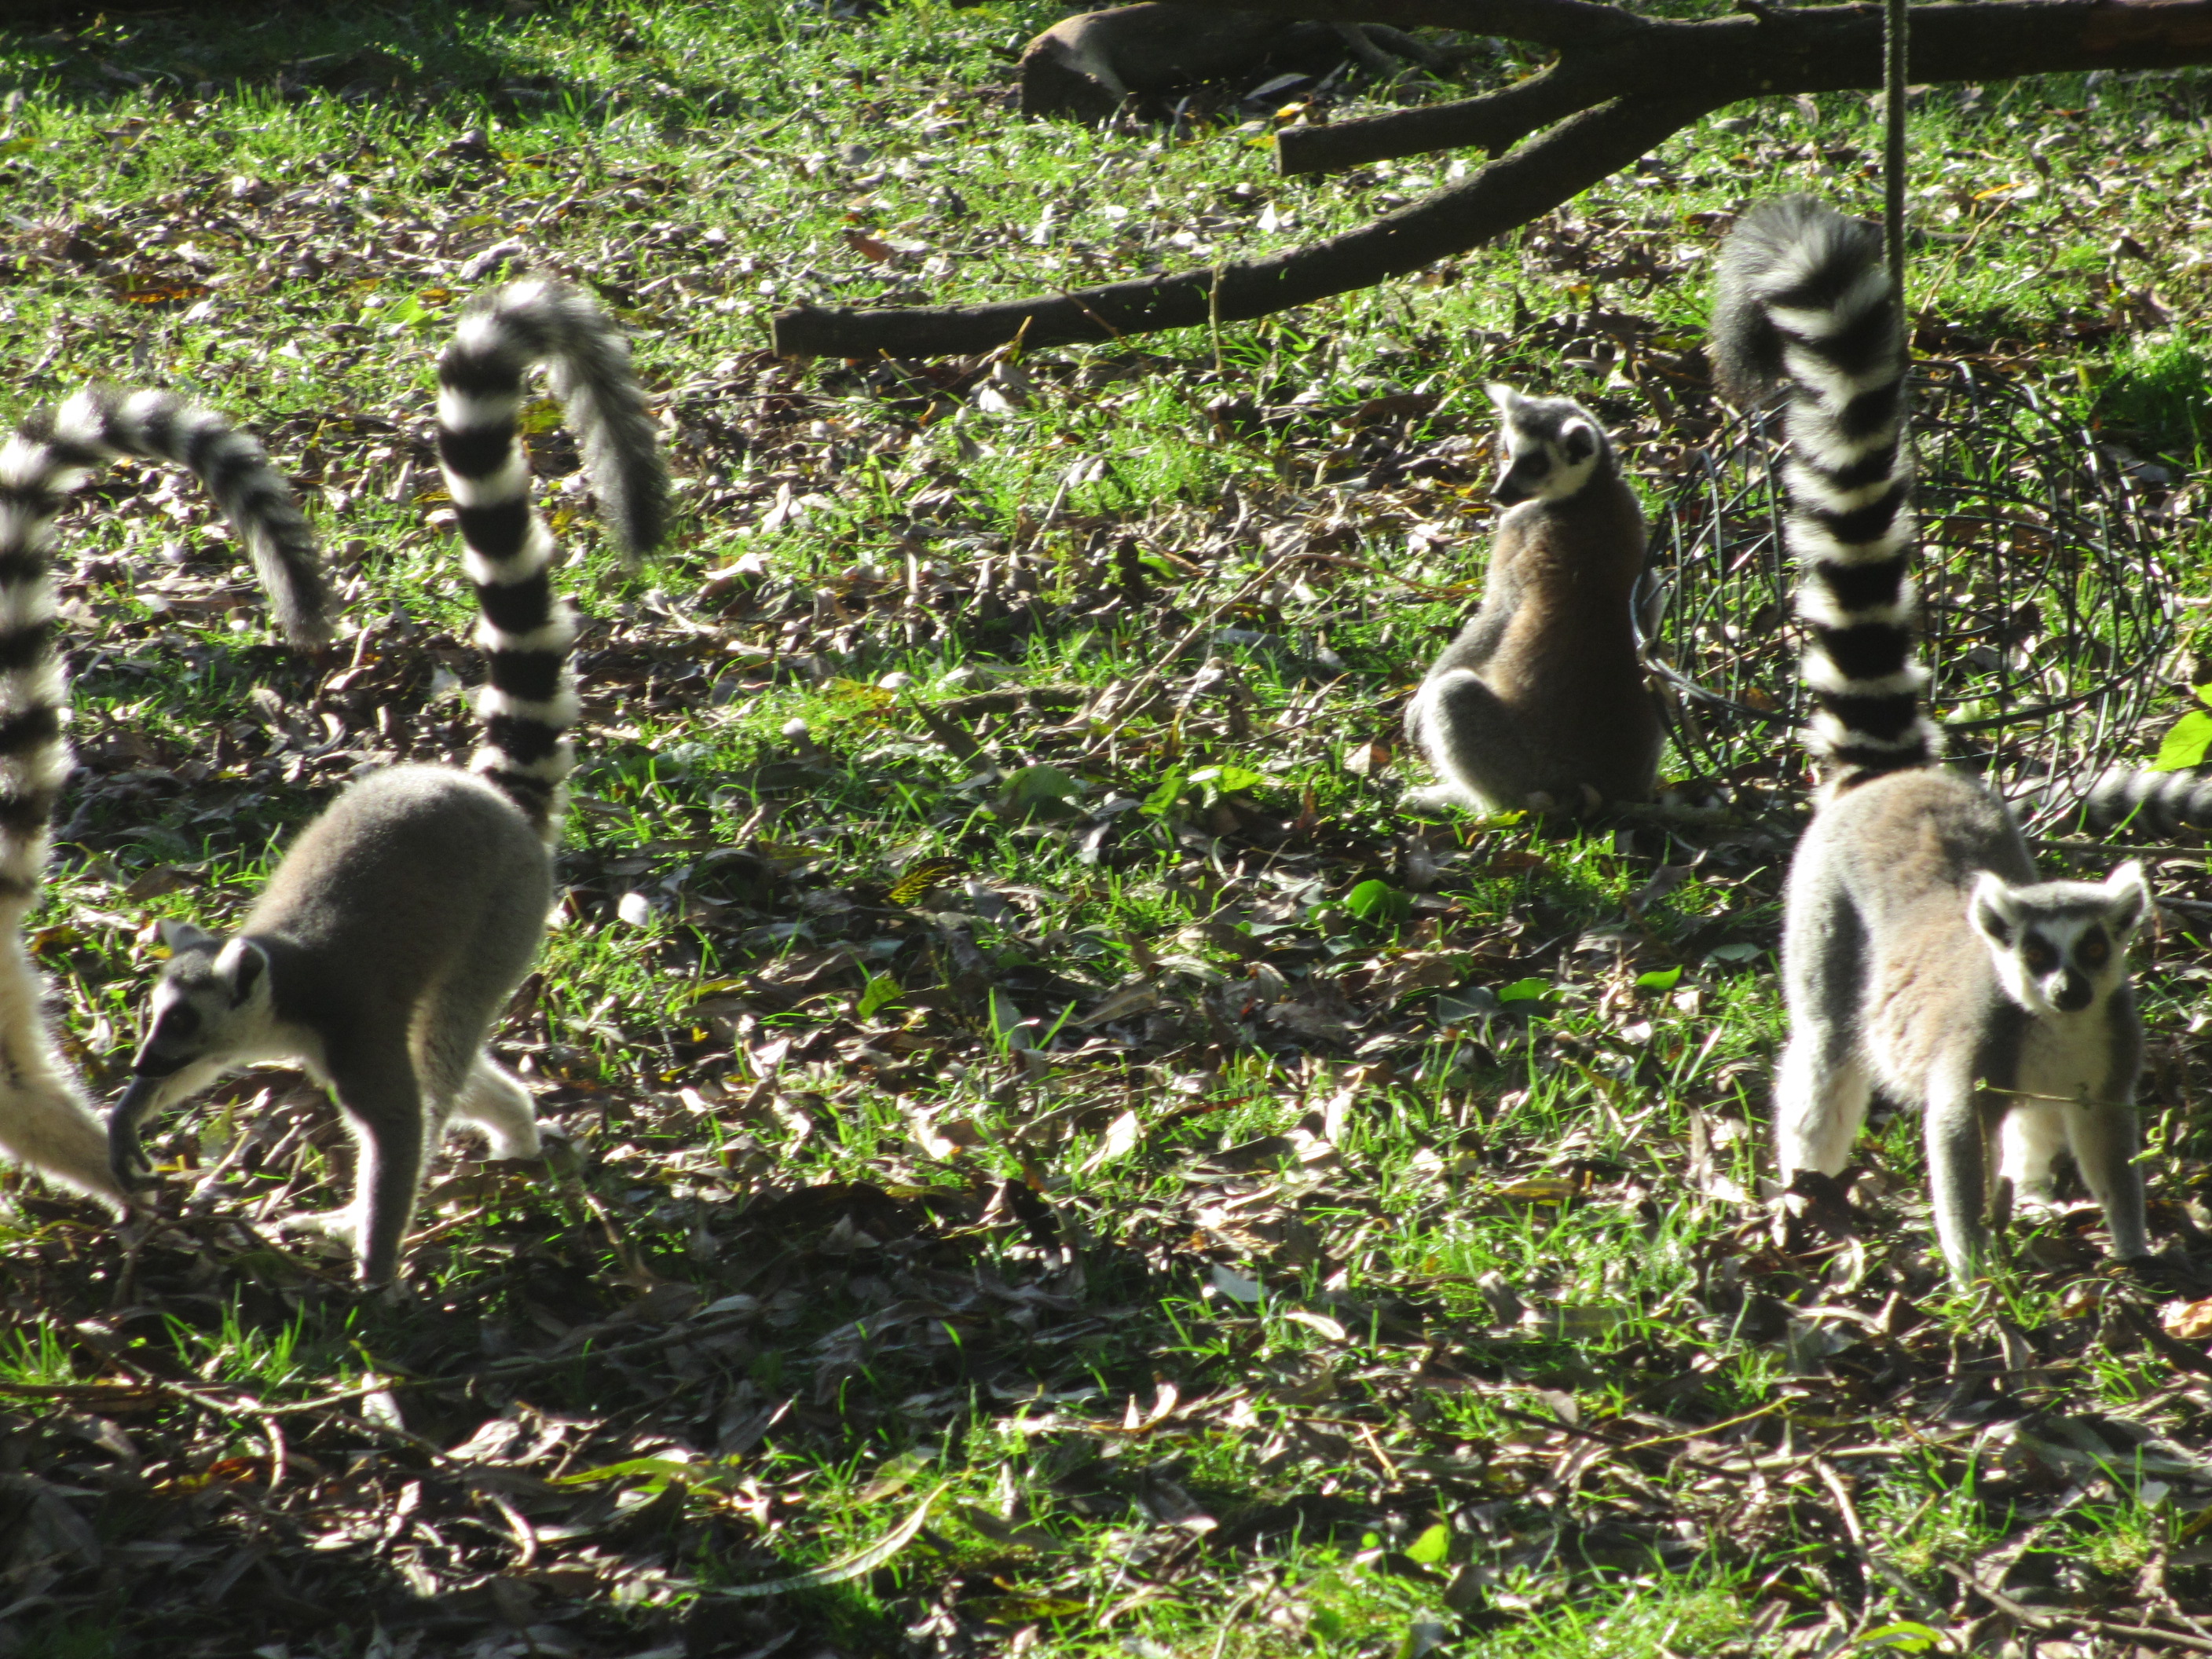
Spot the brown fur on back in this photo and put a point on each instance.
(1567, 667)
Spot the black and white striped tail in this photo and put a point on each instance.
(45, 1120)
(101, 422)
(51, 454)
(2125, 797)
(1804, 298)
(528, 632)
(37, 470)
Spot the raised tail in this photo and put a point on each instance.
(101, 422)
(1803, 298)
(45, 1120)
(527, 632)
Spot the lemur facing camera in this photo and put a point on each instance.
(402, 919)
(1540, 703)
(1920, 954)
(45, 1120)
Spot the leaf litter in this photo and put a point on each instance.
(1055, 1158)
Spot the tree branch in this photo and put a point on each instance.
(1595, 113)
(1815, 49)
(1560, 23)
(1510, 192)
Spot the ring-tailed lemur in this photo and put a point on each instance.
(401, 922)
(1540, 702)
(45, 1120)
(1921, 955)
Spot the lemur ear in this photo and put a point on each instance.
(1503, 397)
(1992, 911)
(182, 935)
(2129, 896)
(1577, 443)
(242, 962)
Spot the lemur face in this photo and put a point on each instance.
(211, 1000)
(1552, 445)
(2060, 947)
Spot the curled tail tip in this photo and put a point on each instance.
(640, 520)
(100, 421)
(288, 556)
(546, 318)
(1797, 255)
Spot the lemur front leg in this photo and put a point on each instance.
(2106, 1140)
(1958, 1172)
(382, 1102)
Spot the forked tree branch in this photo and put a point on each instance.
(1622, 84)
(1510, 192)
(1813, 49)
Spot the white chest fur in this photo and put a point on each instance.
(2066, 1059)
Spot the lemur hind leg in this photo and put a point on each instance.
(466, 1083)
(1475, 744)
(1823, 1085)
(1957, 1167)
(495, 1101)
(2031, 1136)
(1821, 1096)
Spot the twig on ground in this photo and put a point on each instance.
(2038, 1619)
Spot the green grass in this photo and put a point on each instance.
(1280, 1227)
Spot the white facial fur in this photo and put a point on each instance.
(2060, 948)
(217, 1008)
(1552, 446)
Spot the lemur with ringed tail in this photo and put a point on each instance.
(401, 922)
(45, 1120)
(1540, 703)
(1921, 955)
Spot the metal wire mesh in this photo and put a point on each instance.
(2048, 579)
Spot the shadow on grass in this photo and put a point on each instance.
(568, 1436)
(420, 57)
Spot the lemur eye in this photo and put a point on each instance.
(180, 1020)
(2037, 952)
(2093, 950)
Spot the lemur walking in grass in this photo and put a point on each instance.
(401, 922)
(1921, 954)
(45, 1120)
(1540, 702)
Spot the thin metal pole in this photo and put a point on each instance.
(1895, 27)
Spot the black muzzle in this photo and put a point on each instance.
(149, 1066)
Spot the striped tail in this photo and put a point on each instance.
(101, 423)
(45, 1120)
(2130, 797)
(1803, 297)
(527, 630)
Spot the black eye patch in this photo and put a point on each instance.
(2093, 951)
(181, 1020)
(2038, 953)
